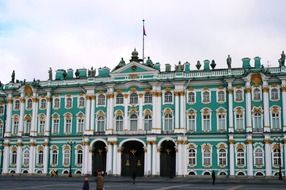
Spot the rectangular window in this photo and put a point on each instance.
(68, 126)
(41, 127)
(221, 122)
(56, 126)
(239, 122)
(80, 124)
(15, 128)
(275, 121)
(192, 122)
(207, 158)
(257, 122)
(192, 157)
(206, 123)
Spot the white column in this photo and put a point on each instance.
(177, 112)
(34, 115)
(156, 104)
(266, 106)
(186, 157)
(284, 103)
(89, 161)
(146, 160)
(85, 156)
(230, 107)
(183, 111)
(46, 157)
(149, 158)
(92, 114)
(114, 166)
(110, 108)
(140, 118)
(19, 156)
(21, 118)
(284, 146)
(109, 158)
(179, 158)
(48, 114)
(268, 164)
(125, 119)
(8, 116)
(231, 156)
(118, 163)
(248, 106)
(156, 164)
(249, 156)
(87, 114)
(32, 157)
(6, 155)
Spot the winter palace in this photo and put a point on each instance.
(138, 117)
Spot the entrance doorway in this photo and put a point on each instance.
(132, 159)
(98, 157)
(167, 159)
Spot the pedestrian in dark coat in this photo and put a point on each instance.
(85, 183)
(134, 176)
(213, 177)
(99, 181)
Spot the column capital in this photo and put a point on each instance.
(267, 141)
(283, 88)
(231, 141)
(265, 89)
(247, 90)
(248, 141)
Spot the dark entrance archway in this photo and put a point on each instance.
(168, 159)
(132, 158)
(98, 157)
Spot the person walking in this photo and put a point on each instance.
(134, 176)
(85, 183)
(99, 181)
(213, 176)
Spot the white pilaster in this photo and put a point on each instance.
(156, 164)
(87, 115)
(284, 151)
(180, 110)
(249, 156)
(114, 166)
(183, 111)
(19, 156)
(149, 158)
(109, 158)
(8, 116)
(231, 155)
(156, 104)
(178, 159)
(89, 161)
(92, 114)
(6, 157)
(268, 163)
(110, 108)
(48, 114)
(284, 103)
(266, 105)
(32, 156)
(230, 106)
(46, 156)
(118, 163)
(248, 106)
(140, 118)
(21, 118)
(85, 155)
(34, 114)
(125, 119)
(177, 111)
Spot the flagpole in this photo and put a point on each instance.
(143, 32)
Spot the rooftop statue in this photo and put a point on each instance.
(13, 77)
(198, 65)
(179, 67)
(50, 74)
(282, 59)
(213, 64)
(65, 75)
(76, 74)
(228, 61)
(91, 72)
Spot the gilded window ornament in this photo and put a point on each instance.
(256, 79)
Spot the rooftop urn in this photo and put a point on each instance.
(246, 63)
(187, 67)
(167, 67)
(257, 63)
(134, 56)
(69, 74)
(206, 65)
(157, 66)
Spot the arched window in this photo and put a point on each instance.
(54, 158)
(119, 123)
(133, 98)
(17, 105)
(192, 157)
(80, 123)
(56, 103)
(79, 157)
(81, 102)
(41, 127)
(26, 157)
(168, 121)
(148, 98)
(240, 157)
(274, 94)
(101, 100)
(66, 157)
(206, 97)
(257, 120)
(275, 118)
(256, 94)
(15, 125)
(100, 123)
(191, 97)
(238, 95)
(276, 155)
(40, 157)
(29, 104)
(222, 157)
(68, 123)
(192, 121)
(56, 124)
(206, 155)
(258, 157)
(133, 122)
(14, 157)
(27, 125)
(68, 102)
(148, 122)
(206, 120)
(221, 120)
(239, 119)
(221, 96)
(119, 99)
(168, 97)
(43, 103)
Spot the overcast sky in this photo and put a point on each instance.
(62, 34)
